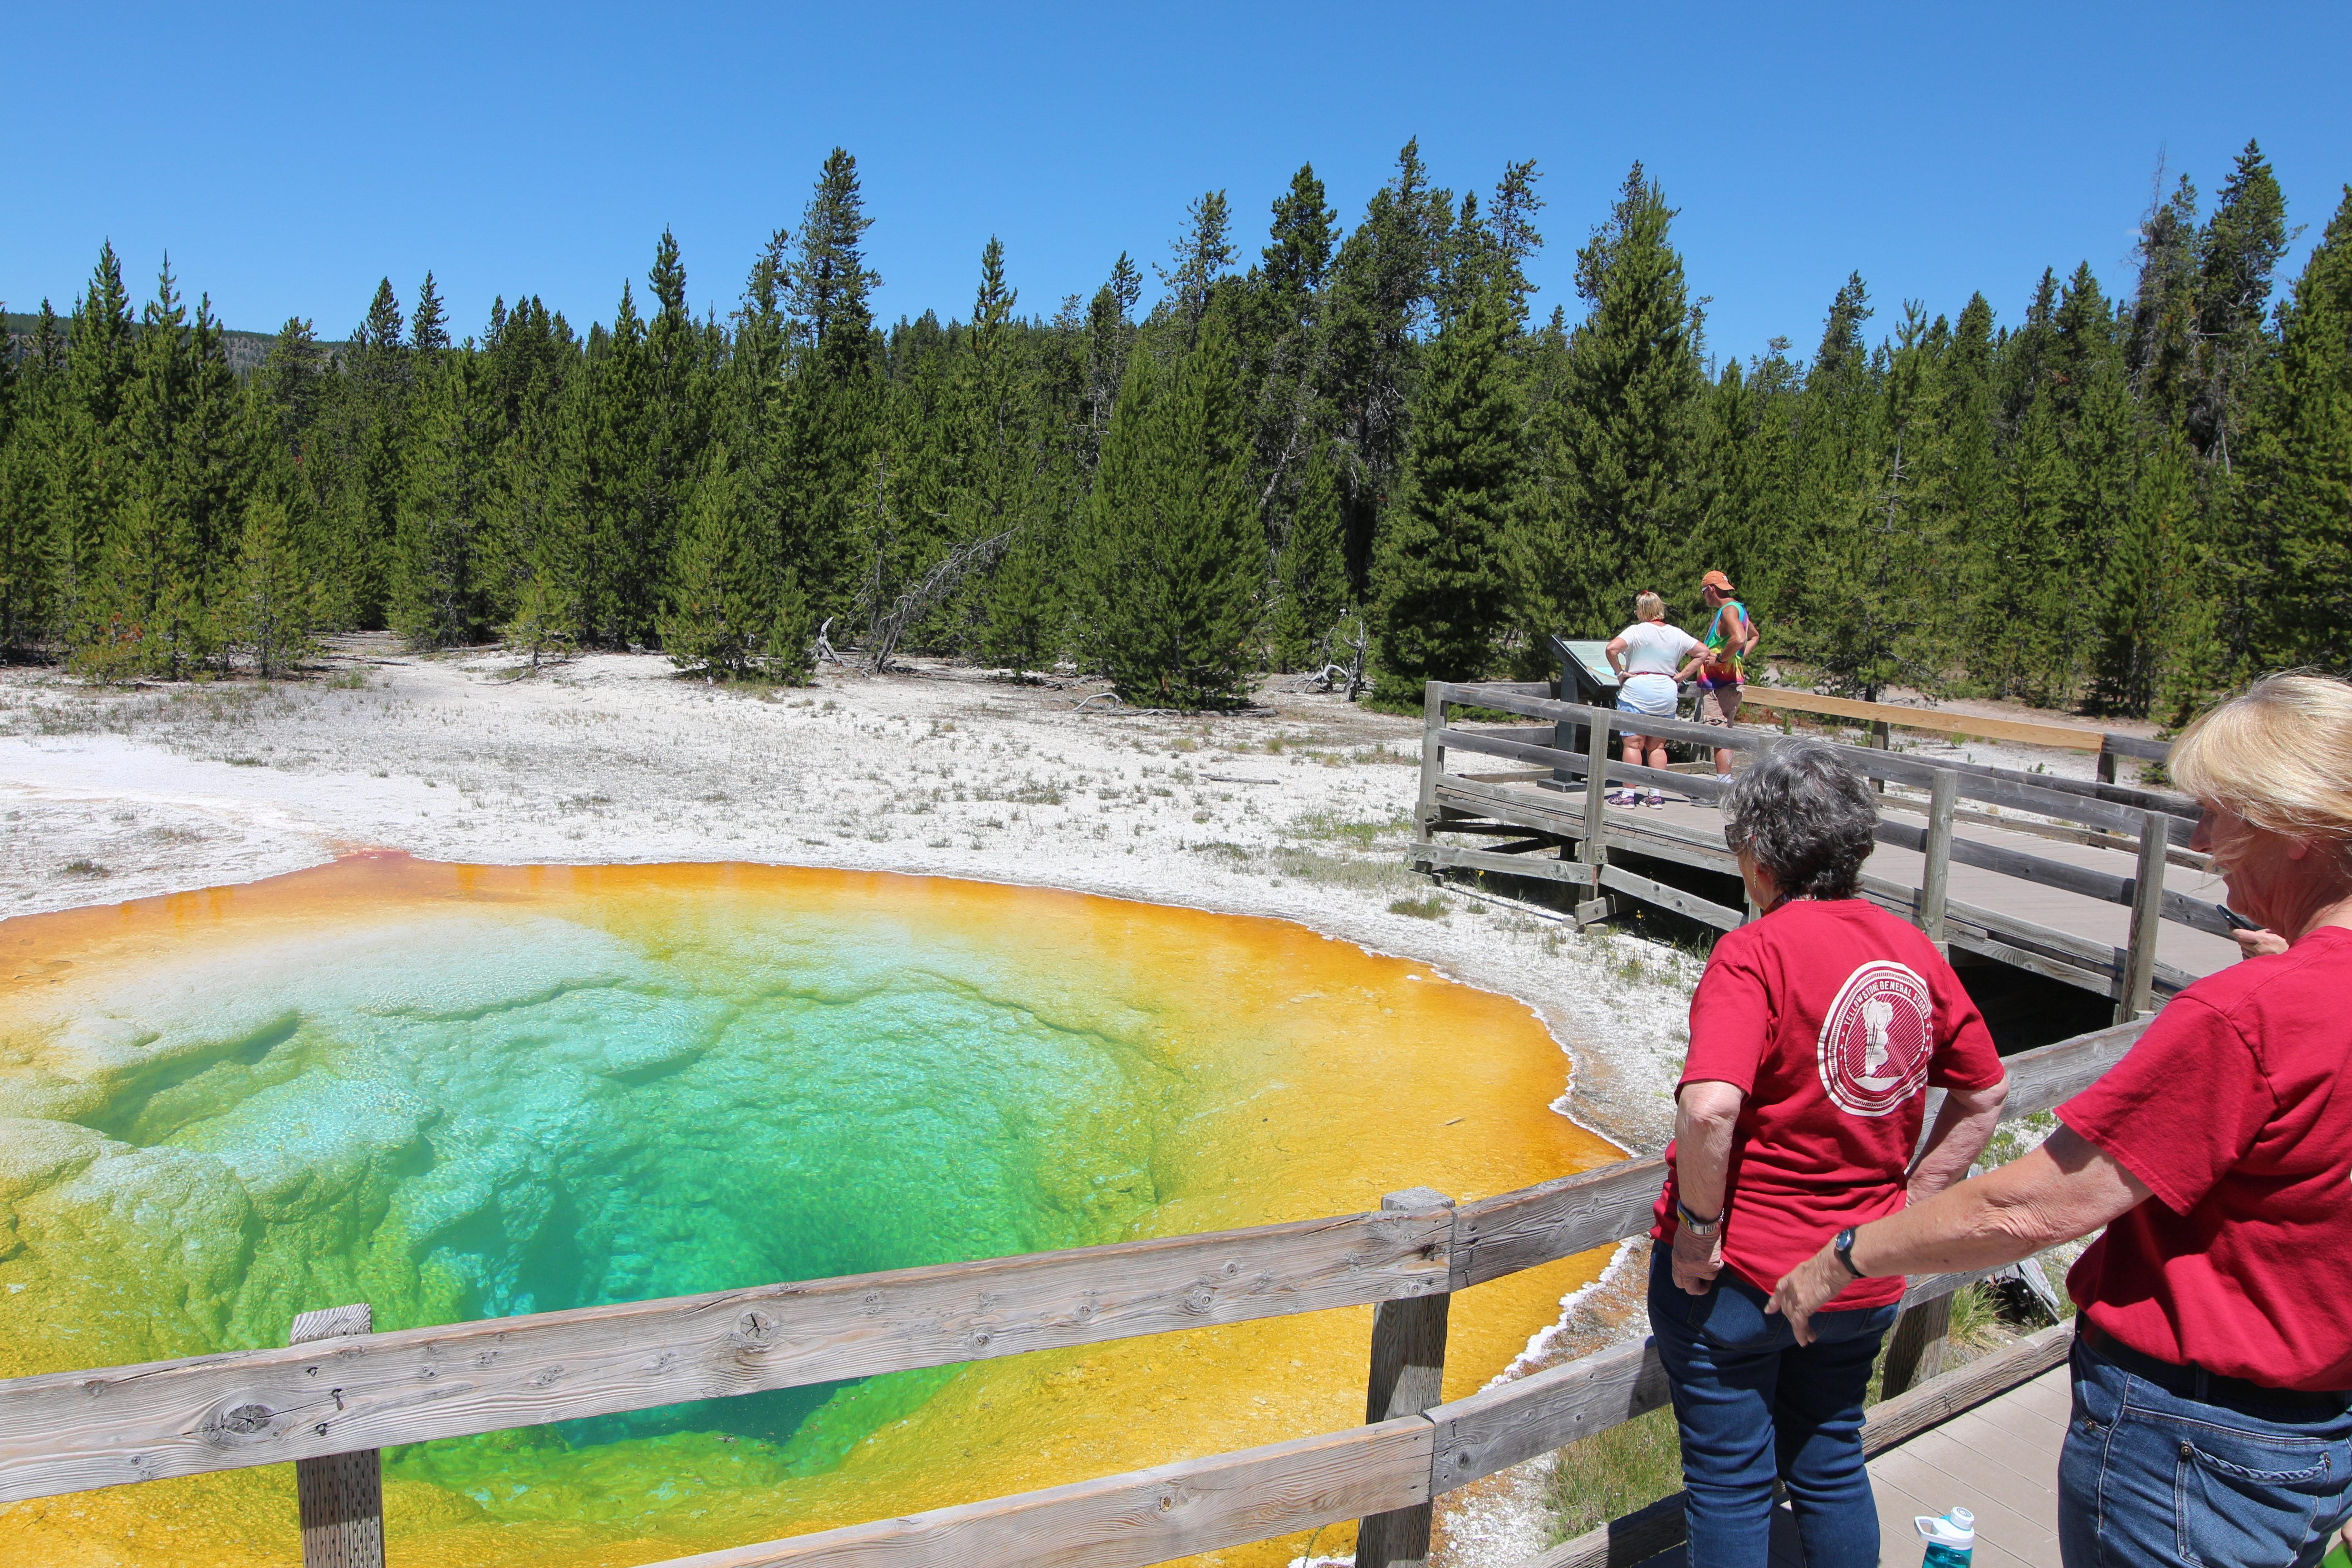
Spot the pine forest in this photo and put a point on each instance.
(1368, 447)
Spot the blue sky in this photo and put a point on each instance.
(288, 157)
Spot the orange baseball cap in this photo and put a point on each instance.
(1717, 580)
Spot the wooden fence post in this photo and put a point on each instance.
(2106, 764)
(1408, 1377)
(1937, 878)
(1915, 1348)
(2138, 988)
(1596, 787)
(1433, 761)
(342, 1496)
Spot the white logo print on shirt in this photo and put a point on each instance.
(1876, 1039)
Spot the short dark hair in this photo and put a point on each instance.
(1806, 819)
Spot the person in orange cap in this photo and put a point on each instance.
(1731, 636)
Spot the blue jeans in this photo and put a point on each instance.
(1751, 1404)
(2148, 1477)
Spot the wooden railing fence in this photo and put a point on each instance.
(2153, 825)
(327, 1404)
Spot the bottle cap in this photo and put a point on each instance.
(1958, 1530)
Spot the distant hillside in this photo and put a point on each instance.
(245, 350)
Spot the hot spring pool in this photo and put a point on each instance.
(460, 1092)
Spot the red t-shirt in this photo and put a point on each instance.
(2235, 1109)
(1833, 1017)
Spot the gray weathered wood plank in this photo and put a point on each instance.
(1554, 1219)
(1720, 916)
(1133, 1520)
(1497, 1427)
(77, 1430)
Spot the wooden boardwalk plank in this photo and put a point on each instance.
(1999, 1459)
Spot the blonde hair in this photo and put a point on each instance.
(1648, 606)
(2280, 755)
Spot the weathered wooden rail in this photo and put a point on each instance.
(327, 1404)
(1548, 811)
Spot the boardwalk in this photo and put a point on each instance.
(2192, 953)
(1998, 1460)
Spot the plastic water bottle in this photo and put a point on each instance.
(1952, 1539)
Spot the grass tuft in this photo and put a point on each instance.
(1614, 1473)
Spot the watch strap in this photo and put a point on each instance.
(1696, 1226)
(1844, 1247)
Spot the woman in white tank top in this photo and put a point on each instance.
(1645, 656)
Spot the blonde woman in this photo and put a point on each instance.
(1645, 656)
(2212, 1360)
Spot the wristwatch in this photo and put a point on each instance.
(1844, 1247)
(1702, 1228)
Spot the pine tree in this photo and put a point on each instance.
(439, 591)
(1303, 237)
(267, 613)
(1442, 582)
(2161, 351)
(87, 472)
(830, 281)
(1178, 556)
(1382, 289)
(1613, 501)
(1024, 621)
(151, 604)
(2297, 486)
(2238, 253)
(546, 619)
(2135, 608)
(724, 605)
(28, 438)
(1311, 576)
(369, 442)
(827, 447)
(428, 329)
(1865, 614)
(1110, 336)
(1203, 253)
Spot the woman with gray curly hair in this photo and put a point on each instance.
(1814, 1033)
(2212, 1356)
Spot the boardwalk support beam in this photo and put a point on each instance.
(1936, 875)
(341, 1496)
(1408, 1377)
(1595, 850)
(2137, 993)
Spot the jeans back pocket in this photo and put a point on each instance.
(2243, 1497)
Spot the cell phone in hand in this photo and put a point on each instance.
(2237, 921)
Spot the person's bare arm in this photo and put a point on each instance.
(2068, 1187)
(1963, 1127)
(1615, 652)
(1707, 1114)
